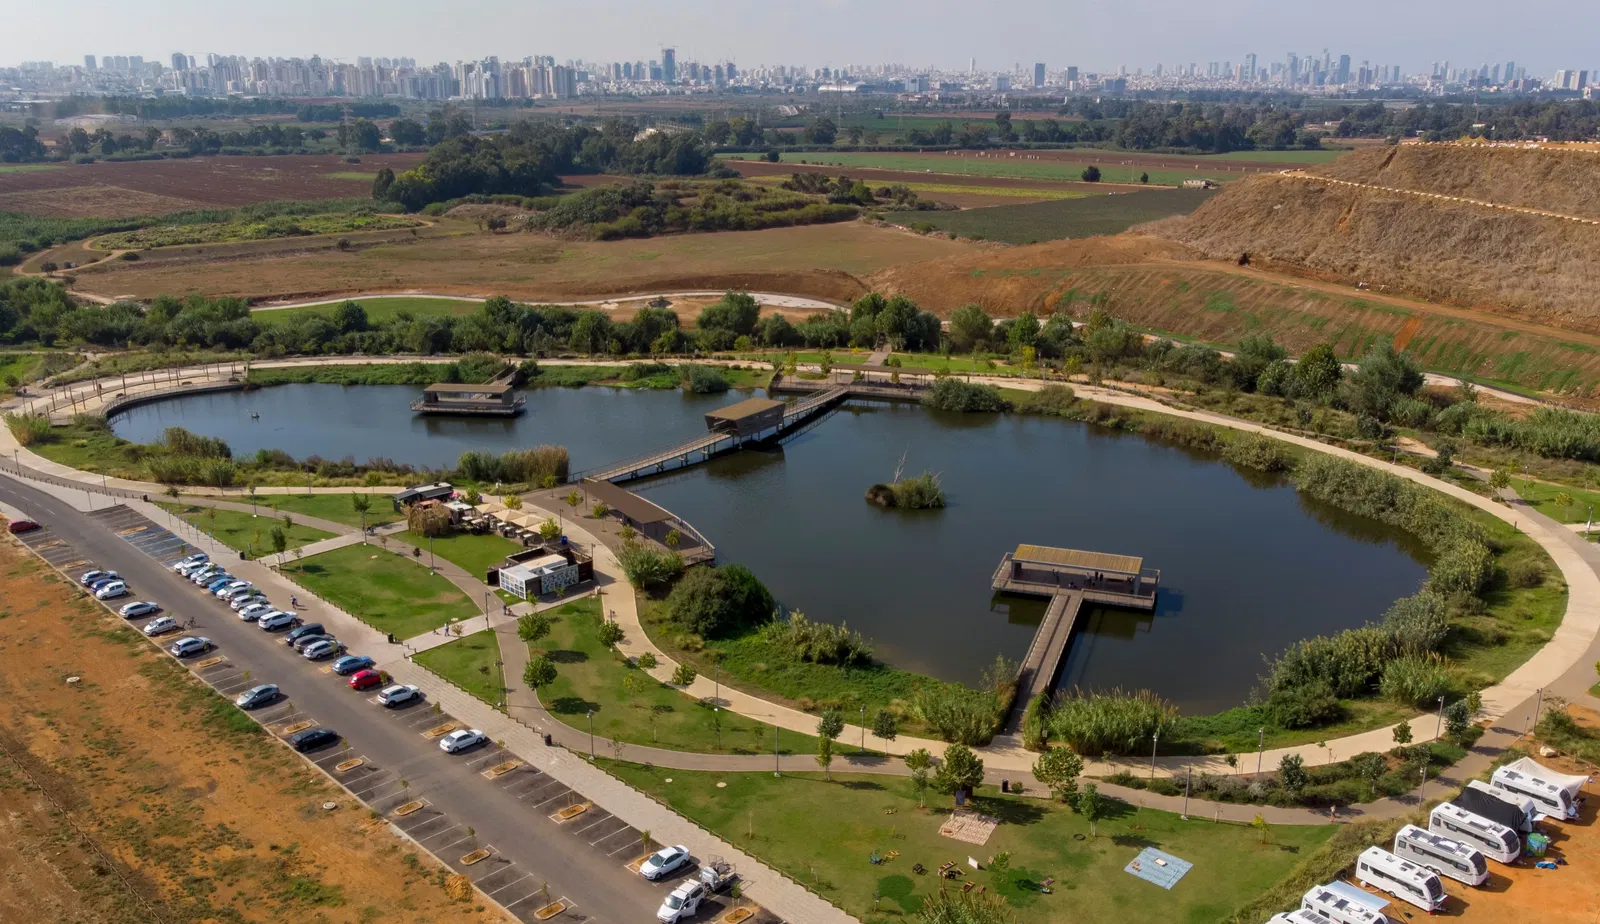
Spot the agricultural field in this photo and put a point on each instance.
(139, 795)
(230, 231)
(120, 190)
(1048, 221)
(1049, 166)
(826, 261)
(961, 193)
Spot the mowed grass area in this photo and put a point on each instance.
(19, 366)
(1049, 221)
(379, 309)
(469, 663)
(383, 589)
(1542, 497)
(334, 507)
(590, 677)
(822, 833)
(243, 532)
(825, 261)
(25, 168)
(474, 553)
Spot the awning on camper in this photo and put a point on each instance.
(1527, 766)
(1356, 894)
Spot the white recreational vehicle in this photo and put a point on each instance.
(1441, 854)
(1410, 882)
(1300, 916)
(1497, 841)
(1554, 794)
(1521, 803)
(1343, 903)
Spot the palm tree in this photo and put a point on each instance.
(361, 503)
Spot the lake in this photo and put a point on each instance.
(1247, 565)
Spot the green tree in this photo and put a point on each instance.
(960, 770)
(1091, 174)
(540, 672)
(825, 756)
(610, 634)
(831, 724)
(531, 627)
(683, 675)
(970, 328)
(382, 183)
(1292, 774)
(1090, 805)
(1058, 769)
(884, 726)
(1500, 479)
(1402, 734)
(1024, 331)
(1458, 720)
(549, 530)
(362, 504)
(280, 539)
(1369, 768)
(646, 661)
(918, 762)
(1144, 177)
(1318, 372)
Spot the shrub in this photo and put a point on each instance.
(28, 429)
(704, 380)
(1415, 680)
(1524, 573)
(919, 492)
(647, 567)
(1053, 400)
(1419, 623)
(817, 642)
(1035, 723)
(956, 713)
(179, 441)
(1349, 662)
(1109, 722)
(713, 601)
(951, 394)
(1262, 453)
(683, 675)
(1304, 706)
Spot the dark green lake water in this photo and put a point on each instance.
(1247, 565)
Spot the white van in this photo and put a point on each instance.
(1405, 880)
(1497, 841)
(1441, 854)
(1341, 908)
(1554, 794)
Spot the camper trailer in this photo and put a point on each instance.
(1343, 903)
(1497, 841)
(1441, 854)
(1405, 880)
(1300, 916)
(1554, 794)
(1526, 810)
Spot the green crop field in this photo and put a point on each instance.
(230, 231)
(1066, 218)
(24, 168)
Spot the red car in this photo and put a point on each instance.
(21, 526)
(365, 680)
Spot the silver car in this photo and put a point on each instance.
(240, 601)
(258, 695)
(321, 648)
(190, 645)
(160, 625)
(228, 591)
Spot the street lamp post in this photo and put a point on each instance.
(1261, 748)
(1155, 739)
(863, 749)
(1439, 725)
(486, 608)
(591, 734)
(500, 690)
(1187, 778)
(775, 771)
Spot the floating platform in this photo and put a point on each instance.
(492, 400)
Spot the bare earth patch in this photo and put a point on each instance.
(96, 201)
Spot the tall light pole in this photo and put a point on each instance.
(1187, 778)
(500, 691)
(591, 734)
(1439, 725)
(775, 771)
(1261, 748)
(1155, 739)
(863, 749)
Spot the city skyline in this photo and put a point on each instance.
(938, 35)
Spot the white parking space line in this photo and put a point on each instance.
(448, 830)
(508, 885)
(605, 817)
(463, 840)
(608, 836)
(631, 844)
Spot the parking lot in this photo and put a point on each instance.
(522, 838)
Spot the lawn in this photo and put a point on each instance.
(1542, 497)
(476, 554)
(469, 663)
(24, 168)
(823, 833)
(383, 589)
(19, 365)
(243, 532)
(1067, 218)
(379, 310)
(334, 507)
(589, 677)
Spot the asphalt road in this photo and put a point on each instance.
(581, 862)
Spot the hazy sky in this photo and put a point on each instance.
(1093, 34)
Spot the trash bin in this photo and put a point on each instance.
(1005, 786)
(547, 740)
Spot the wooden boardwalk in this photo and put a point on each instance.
(1042, 664)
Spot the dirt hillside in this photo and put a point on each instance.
(1532, 267)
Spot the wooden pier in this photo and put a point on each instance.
(1069, 577)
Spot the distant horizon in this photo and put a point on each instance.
(937, 34)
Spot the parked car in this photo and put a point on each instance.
(110, 590)
(159, 625)
(88, 578)
(18, 527)
(399, 694)
(205, 572)
(140, 608)
(189, 562)
(190, 645)
(277, 619)
(301, 643)
(255, 611)
(310, 628)
(313, 738)
(243, 600)
(222, 580)
(322, 648)
(349, 664)
(258, 695)
(229, 591)
(664, 862)
(682, 903)
(365, 679)
(461, 739)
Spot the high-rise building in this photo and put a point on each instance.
(1250, 68)
(1510, 72)
(88, 63)
(1072, 74)
(669, 64)
(1038, 74)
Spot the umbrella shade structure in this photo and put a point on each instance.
(489, 506)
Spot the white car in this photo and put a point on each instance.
(228, 591)
(255, 611)
(461, 739)
(240, 601)
(141, 608)
(187, 567)
(682, 903)
(322, 648)
(111, 590)
(160, 625)
(277, 619)
(664, 862)
(206, 575)
(399, 693)
(189, 563)
(190, 645)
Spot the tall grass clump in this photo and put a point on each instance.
(181, 442)
(646, 567)
(817, 642)
(1416, 680)
(962, 715)
(952, 394)
(703, 380)
(28, 429)
(518, 466)
(1111, 722)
